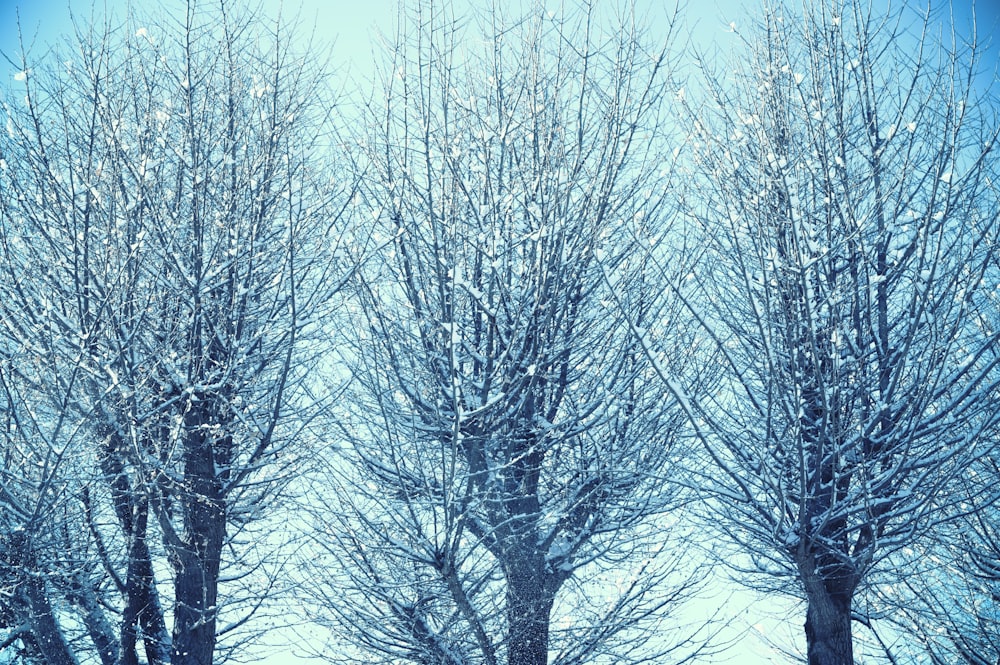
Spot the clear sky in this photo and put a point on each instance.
(349, 25)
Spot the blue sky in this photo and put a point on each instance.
(349, 25)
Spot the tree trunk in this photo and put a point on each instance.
(142, 605)
(142, 601)
(828, 633)
(47, 635)
(32, 596)
(197, 557)
(195, 593)
(828, 616)
(101, 632)
(529, 606)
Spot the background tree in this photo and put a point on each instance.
(168, 219)
(843, 191)
(505, 484)
(946, 604)
(39, 565)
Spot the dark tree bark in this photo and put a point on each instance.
(142, 599)
(102, 634)
(829, 639)
(530, 595)
(197, 551)
(33, 609)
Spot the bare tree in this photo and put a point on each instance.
(843, 188)
(505, 491)
(36, 561)
(945, 604)
(167, 222)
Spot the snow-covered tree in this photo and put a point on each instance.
(504, 493)
(844, 187)
(37, 560)
(167, 212)
(945, 601)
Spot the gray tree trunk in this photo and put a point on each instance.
(828, 616)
